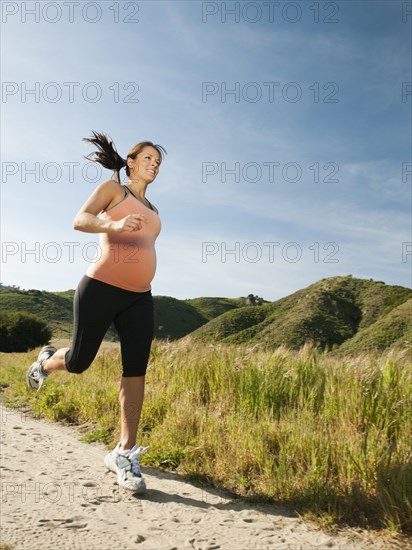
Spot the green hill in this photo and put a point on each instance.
(391, 330)
(173, 318)
(210, 308)
(328, 313)
(176, 318)
(54, 307)
(341, 313)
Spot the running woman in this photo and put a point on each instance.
(116, 288)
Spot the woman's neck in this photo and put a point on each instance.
(137, 187)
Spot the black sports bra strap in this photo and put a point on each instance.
(129, 191)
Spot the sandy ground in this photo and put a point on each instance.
(56, 494)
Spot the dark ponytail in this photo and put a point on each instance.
(106, 155)
(109, 158)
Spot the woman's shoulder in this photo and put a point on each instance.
(109, 192)
(110, 188)
(110, 184)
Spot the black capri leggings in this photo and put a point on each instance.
(96, 305)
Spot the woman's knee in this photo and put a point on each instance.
(77, 366)
(134, 371)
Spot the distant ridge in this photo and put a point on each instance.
(54, 307)
(173, 318)
(341, 313)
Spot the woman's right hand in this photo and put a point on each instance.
(133, 222)
(108, 193)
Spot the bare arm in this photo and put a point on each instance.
(86, 219)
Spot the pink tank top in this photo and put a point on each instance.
(128, 259)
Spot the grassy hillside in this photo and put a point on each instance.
(338, 312)
(173, 318)
(54, 307)
(210, 308)
(327, 313)
(176, 318)
(392, 329)
(330, 437)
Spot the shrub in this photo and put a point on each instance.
(21, 331)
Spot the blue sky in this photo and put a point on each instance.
(302, 172)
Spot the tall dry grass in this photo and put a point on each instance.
(330, 437)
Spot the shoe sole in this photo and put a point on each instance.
(31, 383)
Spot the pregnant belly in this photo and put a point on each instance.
(127, 265)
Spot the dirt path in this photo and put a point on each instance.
(56, 494)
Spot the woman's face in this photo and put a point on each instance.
(146, 165)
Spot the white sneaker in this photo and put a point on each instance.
(35, 375)
(127, 467)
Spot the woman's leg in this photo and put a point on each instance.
(135, 329)
(56, 361)
(94, 307)
(131, 397)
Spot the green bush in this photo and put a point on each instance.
(21, 331)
